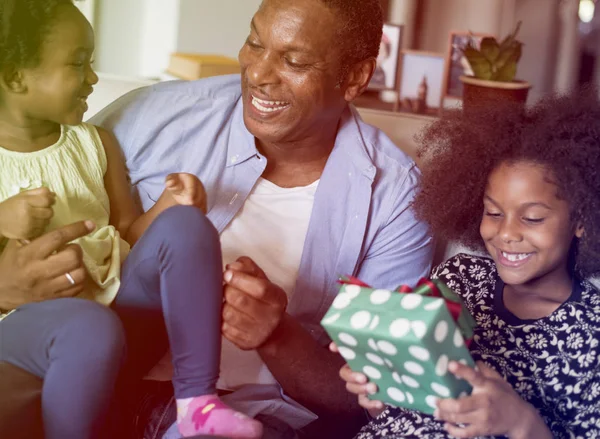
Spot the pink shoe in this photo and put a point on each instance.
(207, 414)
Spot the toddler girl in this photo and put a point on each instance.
(57, 170)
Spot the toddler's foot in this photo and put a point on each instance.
(207, 414)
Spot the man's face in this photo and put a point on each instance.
(290, 69)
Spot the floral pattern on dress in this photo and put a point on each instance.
(553, 363)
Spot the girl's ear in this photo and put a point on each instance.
(12, 80)
(579, 230)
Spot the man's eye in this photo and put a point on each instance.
(295, 64)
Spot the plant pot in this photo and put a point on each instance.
(478, 92)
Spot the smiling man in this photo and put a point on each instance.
(300, 189)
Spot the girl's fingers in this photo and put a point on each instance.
(369, 404)
(333, 347)
(361, 389)
(352, 377)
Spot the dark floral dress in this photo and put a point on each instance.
(553, 362)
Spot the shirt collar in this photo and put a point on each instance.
(349, 139)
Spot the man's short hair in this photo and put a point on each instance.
(360, 30)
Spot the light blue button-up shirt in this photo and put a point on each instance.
(361, 223)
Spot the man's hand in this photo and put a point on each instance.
(358, 384)
(37, 271)
(254, 306)
(493, 408)
(186, 189)
(26, 215)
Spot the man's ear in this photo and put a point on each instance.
(12, 80)
(358, 78)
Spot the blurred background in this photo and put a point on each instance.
(137, 38)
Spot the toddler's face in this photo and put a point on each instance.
(57, 88)
(526, 228)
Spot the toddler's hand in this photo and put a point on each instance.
(358, 384)
(26, 215)
(186, 189)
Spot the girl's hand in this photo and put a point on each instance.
(358, 384)
(186, 189)
(26, 215)
(492, 409)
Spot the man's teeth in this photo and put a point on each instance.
(268, 106)
(514, 257)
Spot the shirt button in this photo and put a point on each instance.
(234, 159)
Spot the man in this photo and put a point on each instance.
(299, 188)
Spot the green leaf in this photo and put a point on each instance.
(506, 73)
(481, 66)
(490, 48)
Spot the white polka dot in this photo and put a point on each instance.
(347, 353)
(399, 328)
(430, 401)
(410, 381)
(341, 301)
(388, 363)
(374, 323)
(396, 377)
(414, 368)
(396, 394)
(463, 361)
(441, 331)
(420, 353)
(441, 390)
(371, 372)
(373, 345)
(352, 290)
(360, 319)
(409, 398)
(411, 301)
(347, 339)
(441, 366)
(374, 358)
(387, 348)
(458, 338)
(379, 297)
(331, 319)
(419, 328)
(434, 304)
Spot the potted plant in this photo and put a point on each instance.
(494, 67)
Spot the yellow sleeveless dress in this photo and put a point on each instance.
(73, 168)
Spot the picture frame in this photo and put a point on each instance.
(455, 63)
(416, 65)
(387, 72)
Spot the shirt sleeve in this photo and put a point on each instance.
(402, 250)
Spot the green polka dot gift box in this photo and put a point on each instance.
(403, 340)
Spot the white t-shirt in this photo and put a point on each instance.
(270, 229)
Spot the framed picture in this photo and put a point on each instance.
(387, 71)
(418, 68)
(456, 64)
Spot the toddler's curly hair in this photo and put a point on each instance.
(458, 152)
(23, 26)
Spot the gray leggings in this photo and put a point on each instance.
(171, 293)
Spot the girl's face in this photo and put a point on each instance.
(58, 87)
(526, 228)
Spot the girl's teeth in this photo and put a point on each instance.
(514, 257)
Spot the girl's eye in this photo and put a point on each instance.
(534, 220)
(493, 214)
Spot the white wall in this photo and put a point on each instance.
(219, 27)
(136, 37)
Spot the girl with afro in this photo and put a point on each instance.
(522, 187)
